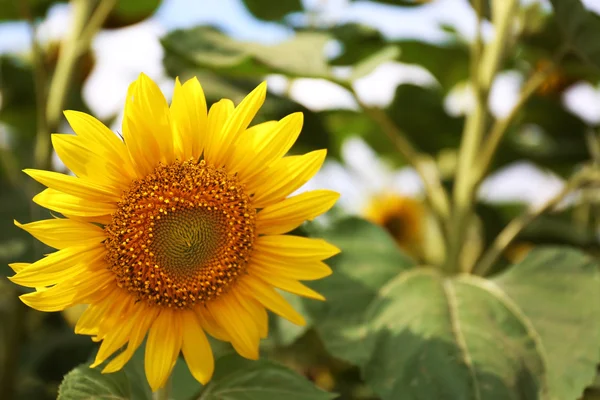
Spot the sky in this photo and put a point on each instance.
(122, 54)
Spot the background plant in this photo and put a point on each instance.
(474, 322)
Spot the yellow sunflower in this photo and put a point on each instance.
(403, 218)
(177, 229)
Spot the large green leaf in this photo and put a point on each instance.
(532, 332)
(240, 379)
(269, 10)
(85, 383)
(301, 56)
(419, 113)
(581, 28)
(368, 260)
(13, 10)
(447, 62)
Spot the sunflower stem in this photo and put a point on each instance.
(164, 392)
(485, 62)
(86, 23)
(512, 230)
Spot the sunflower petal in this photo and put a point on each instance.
(293, 269)
(144, 319)
(238, 324)
(63, 232)
(210, 325)
(68, 292)
(58, 266)
(289, 247)
(71, 205)
(269, 298)
(162, 347)
(147, 125)
(269, 146)
(217, 117)
(284, 177)
(196, 349)
(292, 212)
(189, 117)
(79, 187)
(109, 145)
(292, 286)
(237, 123)
(80, 157)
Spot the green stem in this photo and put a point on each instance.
(485, 62)
(164, 392)
(512, 230)
(500, 126)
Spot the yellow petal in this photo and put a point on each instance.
(284, 177)
(290, 285)
(80, 157)
(237, 123)
(210, 325)
(269, 298)
(61, 265)
(144, 319)
(188, 115)
(108, 144)
(114, 340)
(269, 146)
(217, 117)
(249, 144)
(289, 268)
(18, 267)
(62, 232)
(238, 324)
(79, 187)
(284, 216)
(147, 126)
(289, 247)
(257, 312)
(196, 349)
(71, 205)
(90, 319)
(162, 347)
(68, 292)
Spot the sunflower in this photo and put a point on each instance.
(403, 218)
(177, 229)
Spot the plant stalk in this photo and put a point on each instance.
(512, 230)
(485, 62)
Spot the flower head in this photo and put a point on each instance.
(178, 228)
(403, 217)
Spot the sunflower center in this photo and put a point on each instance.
(181, 235)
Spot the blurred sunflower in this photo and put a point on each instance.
(391, 198)
(178, 229)
(403, 217)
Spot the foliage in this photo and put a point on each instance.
(393, 327)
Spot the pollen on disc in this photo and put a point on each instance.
(181, 235)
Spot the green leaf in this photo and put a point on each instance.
(419, 113)
(532, 332)
(557, 290)
(366, 66)
(301, 56)
(85, 383)
(369, 259)
(358, 42)
(12, 10)
(580, 27)
(448, 63)
(129, 12)
(272, 10)
(404, 3)
(240, 379)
